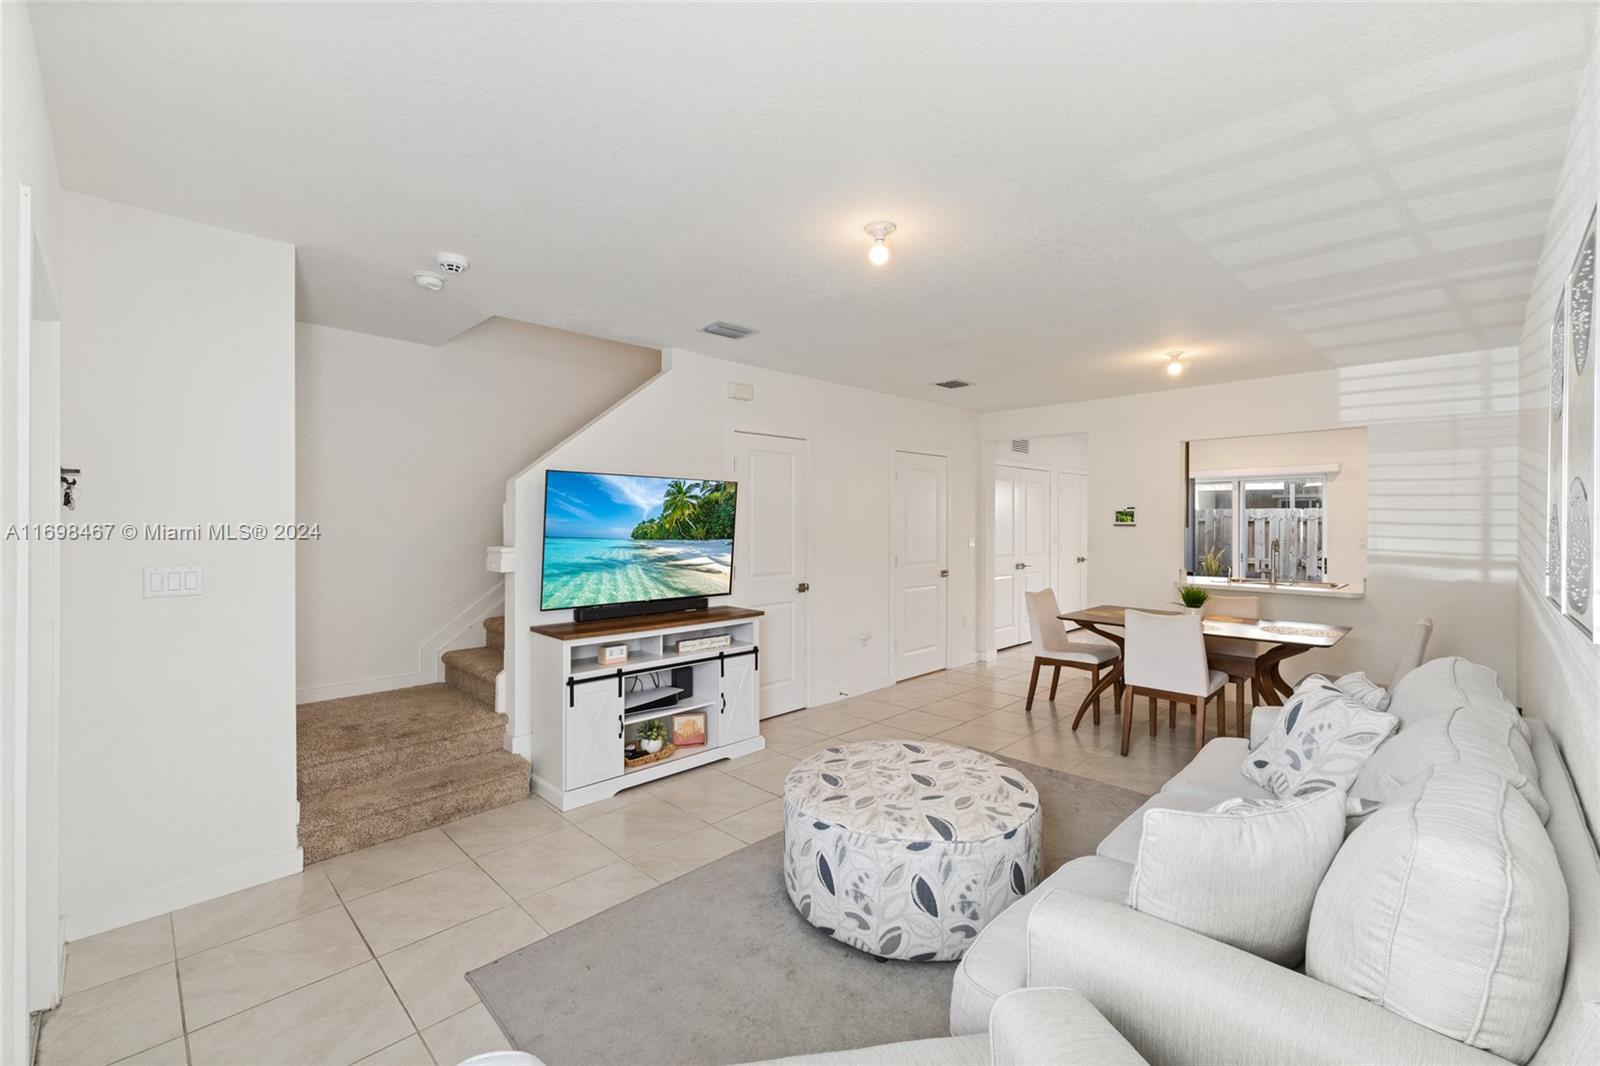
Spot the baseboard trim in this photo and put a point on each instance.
(179, 894)
(872, 684)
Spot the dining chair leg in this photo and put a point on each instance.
(1033, 683)
(1238, 707)
(1126, 704)
(1055, 679)
(1200, 722)
(1096, 684)
(1152, 716)
(1172, 714)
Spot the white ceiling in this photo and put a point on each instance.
(1275, 187)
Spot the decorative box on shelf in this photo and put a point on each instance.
(613, 655)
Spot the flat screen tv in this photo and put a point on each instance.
(623, 539)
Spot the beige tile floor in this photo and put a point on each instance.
(361, 958)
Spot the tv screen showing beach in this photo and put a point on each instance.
(612, 538)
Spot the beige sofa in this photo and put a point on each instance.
(1179, 997)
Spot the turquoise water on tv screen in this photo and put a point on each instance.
(582, 571)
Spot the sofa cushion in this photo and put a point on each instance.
(1321, 742)
(1448, 907)
(1244, 872)
(1214, 773)
(1122, 843)
(1480, 737)
(1441, 685)
(997, 961)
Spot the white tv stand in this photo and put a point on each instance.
(583, 711)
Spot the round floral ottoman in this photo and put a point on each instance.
(907, 849)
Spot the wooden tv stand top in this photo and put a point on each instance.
(616, 627)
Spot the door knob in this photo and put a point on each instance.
(944, 573)
(1083, 558)
(804, 586)
(1019, 566)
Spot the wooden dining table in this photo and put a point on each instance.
(1243, 647)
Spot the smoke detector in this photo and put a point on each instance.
(426, 280)
(452, 263)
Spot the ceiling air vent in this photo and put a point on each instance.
(953, 383)
(1019, 447)
(728, 330)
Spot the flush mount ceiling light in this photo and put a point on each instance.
(878, 254)
(426, 280)
(1175, 363)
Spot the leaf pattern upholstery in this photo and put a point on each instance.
(906, 849)
(1323, 739)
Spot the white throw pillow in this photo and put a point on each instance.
(1321, 741)
(1360, 687)
(1448, 907)
(1245, 872)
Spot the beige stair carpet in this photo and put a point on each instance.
(382, 765)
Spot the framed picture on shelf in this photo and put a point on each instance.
(689, 729)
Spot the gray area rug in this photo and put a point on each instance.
(717, 967)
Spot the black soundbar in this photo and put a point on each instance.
(627, 610)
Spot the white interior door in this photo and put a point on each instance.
(1023, 528)
(770, 570)
(1007, 619)
(920, 562)
(1072, 566)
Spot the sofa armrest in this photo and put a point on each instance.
(1178, 996)
(1054, 1027)
(1262, 721)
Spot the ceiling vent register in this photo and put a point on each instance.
(1019, 447)
(728, 330)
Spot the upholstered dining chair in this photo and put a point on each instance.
(1164, 657)
(1052, 647)
(1236, 607)
(1416, 648)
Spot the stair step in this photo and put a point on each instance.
(495, 629)
(362, 738)
(374, 811)
(473, 670)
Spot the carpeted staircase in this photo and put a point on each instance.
(376, 767)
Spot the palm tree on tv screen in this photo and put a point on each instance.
(679, 505)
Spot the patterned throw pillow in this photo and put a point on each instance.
(1321, 741)
(1359, 686)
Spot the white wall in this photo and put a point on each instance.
(403, 451)
(1558, 666)
(1441, 436)
(178, 749)
(679, 423)
(27, 856)
(1346, 498)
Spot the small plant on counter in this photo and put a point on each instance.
(652, 734)
(1193, 596)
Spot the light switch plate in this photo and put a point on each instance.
(166, 581)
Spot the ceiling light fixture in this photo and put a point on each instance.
(878, 254)
(1175, 364)
(426, 280)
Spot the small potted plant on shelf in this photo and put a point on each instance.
(652, 735)
(1193, 597)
